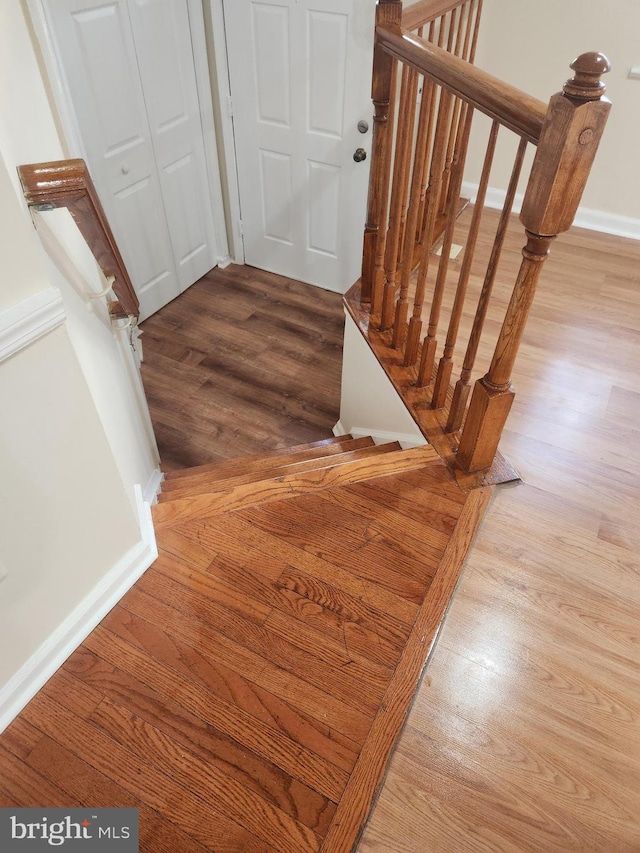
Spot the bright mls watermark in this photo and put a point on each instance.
(82, 830)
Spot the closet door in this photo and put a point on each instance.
(162, 37)
(129, 70)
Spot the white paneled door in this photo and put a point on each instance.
(300, 75)
(130, 72)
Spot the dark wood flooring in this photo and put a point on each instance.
(244, 361)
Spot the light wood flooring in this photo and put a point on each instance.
(525, 734)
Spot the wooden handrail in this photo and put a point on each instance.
(426, 11)
(67, 183)
(506, 104)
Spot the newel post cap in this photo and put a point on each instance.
(586, 85)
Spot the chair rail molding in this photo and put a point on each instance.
(30, 319)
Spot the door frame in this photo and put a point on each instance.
(227, 226)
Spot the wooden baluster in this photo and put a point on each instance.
(404, 139)
(454, 126)
(568, 143)
(445, 367)
(377, 288)
(435, 181)
(425, 185)
(419, 166)
(430, 344)
(476, 30)
(462, 389)
(388, 12)
(408, 158)
(458, 120)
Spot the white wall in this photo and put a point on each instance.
(75, 442)
(530, 44)
(29, 133)
(369, 404)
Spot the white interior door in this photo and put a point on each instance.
(129, 68)
(300, 74)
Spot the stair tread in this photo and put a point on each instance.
(210, 486)
(260, 467)
(289, 485)
(240, 464)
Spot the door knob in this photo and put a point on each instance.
(359, 155)
(125, 169)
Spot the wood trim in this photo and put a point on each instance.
(426, 11)
(67, 183)
(369, 771)
(513, 108)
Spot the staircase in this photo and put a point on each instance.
(302, 591)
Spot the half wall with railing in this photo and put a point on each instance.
(426, 92)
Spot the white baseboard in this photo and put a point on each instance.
(380, 436)
(24, 323)
(594, 220)
(44, 662)
(153, 488)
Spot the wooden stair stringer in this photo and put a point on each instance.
(203, 485)
(288, 486)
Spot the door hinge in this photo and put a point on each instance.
(241, 227)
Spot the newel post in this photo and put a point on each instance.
(568, 143)
(388, 13)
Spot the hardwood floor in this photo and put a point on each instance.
(524, 736)
(244, 361)
(246, 694)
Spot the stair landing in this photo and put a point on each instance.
(248, 690)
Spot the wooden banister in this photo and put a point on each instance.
(67, 183)
(413, 208)
(568, 143)
(426, 11)
(388, 13)
(512, 108)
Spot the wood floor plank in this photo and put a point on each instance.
(80, 698)
(140, 778)
(270, 743)
(83, 783)
(388, 521)
(217, 790)
(301, 694)
(20, 737)
(382, 646)
(382, 587)
(159, 707)
(263, 777)
(414, 498)
(319, 662)
(21, 784)
(304, 526)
